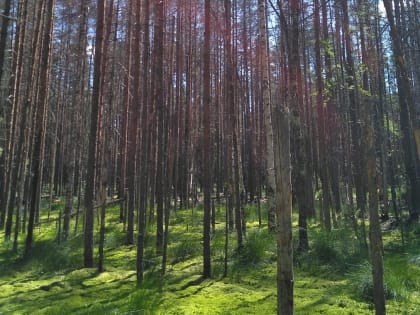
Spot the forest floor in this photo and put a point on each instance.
(332, 278)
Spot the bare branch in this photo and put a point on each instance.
(8, 17)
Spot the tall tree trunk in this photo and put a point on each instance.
(266, 105)
(322, 134)
(132, 167)
(4, 34)
(358, 154)
(93, 136)
(206, 142)
(281, 127)
(410, 124)
(375, 235)
(14, 90)
(125, 121)
(231, 108)
(282, 163)
(39, 127)
(77, 98)
(158, 49)
(144, 144)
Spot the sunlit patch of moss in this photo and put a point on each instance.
(42, 284)
(216, 297)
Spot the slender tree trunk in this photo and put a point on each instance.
(158, 48)
(410, 124)
(375, 235)
(206, 142)
(4, 33)
(14, 89)
(358, 154)
(232, 118)
(132, 167)
(281, 125)
(266, 105)
(322, 121)
(93, 136)
(39, 127)
(125, 120)
(144, 144)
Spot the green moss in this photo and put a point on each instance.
(52, 280)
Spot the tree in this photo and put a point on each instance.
(159, 102)
(410, 125)
(39, 122)
(77, 97)
(4, 33)
(266, 105)
(206, 142)
(143, 145)
(282, 164)
(93, 135)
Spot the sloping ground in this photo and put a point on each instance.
(52, 282)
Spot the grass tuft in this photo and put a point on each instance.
(184, 250)
(256, 247)
(337, 250)
(362, 284)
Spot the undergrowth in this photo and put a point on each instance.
(332, 277)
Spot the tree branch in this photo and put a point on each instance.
(8, 17)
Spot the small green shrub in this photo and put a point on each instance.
(257, 243)
(337, 249)
(47, 256)
(113, 239)
(324, 248)
(184, 250)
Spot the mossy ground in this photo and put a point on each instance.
(333, 278)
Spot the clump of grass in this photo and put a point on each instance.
(362, 284)
(184, 250)
(146, 298)
(337, 249)
(258, 243)
(114, 238)
(48, 256)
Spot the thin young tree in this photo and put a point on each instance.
(39, 122)
(409, 121)
(267, 109)
(141, 224)
(93, 135)
(206, 148)
(4, 33)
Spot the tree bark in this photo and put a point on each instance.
(93, 136)
(266, 106)
(39, 127)
(281, 125)
(410, 124)
(144, 144)
(206, 142)
(158, 49)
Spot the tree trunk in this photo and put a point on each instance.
(143, 145)
(410, 125)
(93, 136)
(39, 127)
(206, 142)
(281, 127)
(158, 48)
(266, 105)
(4, 33)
